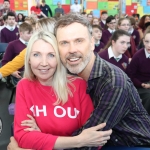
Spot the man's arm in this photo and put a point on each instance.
(13, 145)
(62, 11)
(108, 109)
(41, 13)
(13, 65)
(50, 11)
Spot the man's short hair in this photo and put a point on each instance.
(6, 1)
(25, 27)
(70, 18)
(104, 12)
(5, 17)
(109, 19)
(10, 14)
(96, 26)
(43, 1)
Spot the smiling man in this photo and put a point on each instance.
(114, 96)
(115, 99)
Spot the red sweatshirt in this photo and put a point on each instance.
(53, 120)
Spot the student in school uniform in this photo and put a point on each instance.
(117, 46)
(103, 18)
(10, 32)
(15, 47)
(135, 34)
(124, 24)
(97, 34)
(95, 21)
(139, 71)
(107, 33)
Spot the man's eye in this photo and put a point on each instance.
(63, 43)
(79, 41)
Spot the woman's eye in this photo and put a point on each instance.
(35, 55)
(51, 55)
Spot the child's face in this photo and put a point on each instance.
(11, 20)
(121, 45)
(97, 33)
(104, 16)
(125, 25)
(146, 42)
(26, 35)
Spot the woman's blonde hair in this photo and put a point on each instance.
(47, 24)
(60, 82)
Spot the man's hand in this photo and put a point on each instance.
(145, 85)
(13, 145)
(16, 74)
(93, 137)
(41, 13)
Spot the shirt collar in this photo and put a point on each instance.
(111, 30)
(10, 27)
(97, 68)
(97, 42)
(104, 22)
(111, 54)
(147, 54)
(131, 30)
(23, 41)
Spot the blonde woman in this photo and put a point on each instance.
(46, 24)
(57, 102)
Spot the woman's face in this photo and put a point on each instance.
(146, 42)
(43, 61)
(125, 25)
(20, 16)
(147, 19)
(121, 45)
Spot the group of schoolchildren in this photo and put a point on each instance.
(118, 41)
(121, 41)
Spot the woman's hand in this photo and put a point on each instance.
(31, 124)
(93, 137)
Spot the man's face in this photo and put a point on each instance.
(11, 20)
(26, 35)
(75, 47)
(104, 16)
(38, 4)
(112, 24)
(97, 34)
(6, 5)
(59, 5)
(89, 17)
(76, 1)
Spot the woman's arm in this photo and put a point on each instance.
(13, 65)
(38, 140)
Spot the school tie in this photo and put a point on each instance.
(26, 43)
(117, 59)
(112, 32)
(97, 45)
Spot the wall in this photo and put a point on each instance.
(111, 6)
